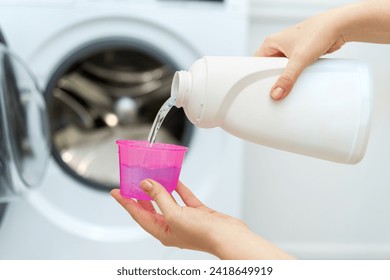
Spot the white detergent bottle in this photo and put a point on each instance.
(326, 115)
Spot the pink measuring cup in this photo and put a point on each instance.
(138, 161)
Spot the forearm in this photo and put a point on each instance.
(365, 21)
(248, 246)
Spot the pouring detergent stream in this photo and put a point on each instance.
(162, 113)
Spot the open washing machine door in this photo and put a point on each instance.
(24, 133)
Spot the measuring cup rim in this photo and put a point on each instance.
(139, 144)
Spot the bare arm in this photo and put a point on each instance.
(305, 42)
(367, 21)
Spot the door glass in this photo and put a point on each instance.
(24, 123)
(5, 174)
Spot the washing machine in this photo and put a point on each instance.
(80, 75)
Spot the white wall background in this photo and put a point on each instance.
(312, 208)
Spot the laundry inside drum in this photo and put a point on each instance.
(113, 94)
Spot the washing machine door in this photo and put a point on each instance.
(24, 133)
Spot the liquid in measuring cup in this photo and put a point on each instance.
(133, 175)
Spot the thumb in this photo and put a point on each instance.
(159, 194)
(287, 79)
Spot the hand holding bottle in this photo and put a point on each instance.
(305, 42)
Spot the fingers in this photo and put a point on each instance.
(270, 47)
(287, 79)
(147, 205)
(147, 220)
(135, 209)
(269, 52)
(187, 196)
(129, 204)
(298, 60)
(159, 194)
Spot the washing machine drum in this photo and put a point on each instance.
(24, 133)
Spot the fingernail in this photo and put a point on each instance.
(277, 93)
(146, 185)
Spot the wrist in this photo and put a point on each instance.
(246, 245)
(364, 21)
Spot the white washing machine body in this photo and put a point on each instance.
(64, 219)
